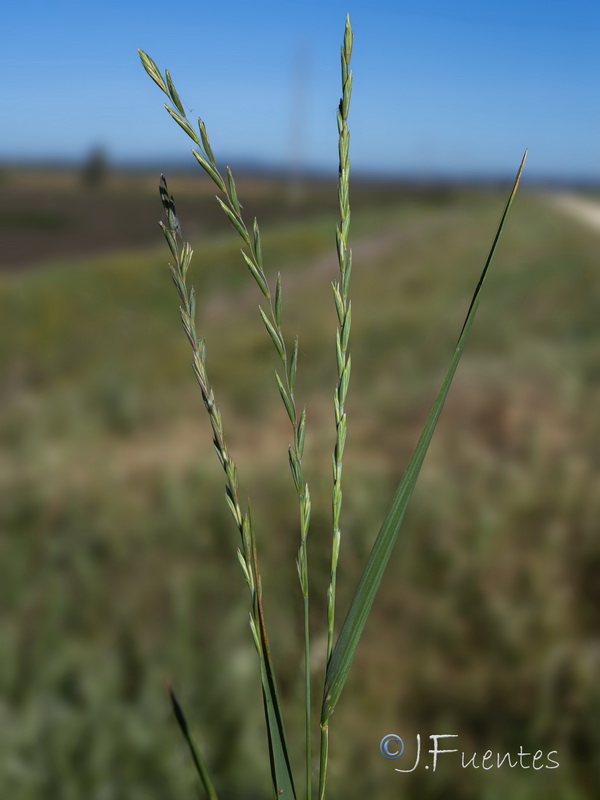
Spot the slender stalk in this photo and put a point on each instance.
(182, 255)
(272, 321)
(343, 308)
(252, 254)
(307, 696)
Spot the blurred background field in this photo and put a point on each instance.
(117, 551)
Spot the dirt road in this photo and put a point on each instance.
(584, 209)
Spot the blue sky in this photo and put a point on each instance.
(451, 86)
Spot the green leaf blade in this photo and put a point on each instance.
(281, 773)
(195, 753)
(364, 596)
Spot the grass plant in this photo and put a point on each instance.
(486, 626)
(341, 650)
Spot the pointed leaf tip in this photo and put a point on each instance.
(364, 596)
(195, 753)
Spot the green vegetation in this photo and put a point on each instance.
(340, 652)
(119, 565)
(117, 556)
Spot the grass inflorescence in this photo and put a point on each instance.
(340, 651)
(110, 479)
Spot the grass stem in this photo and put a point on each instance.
(340, 653)
(182, 254)
(343, 308)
